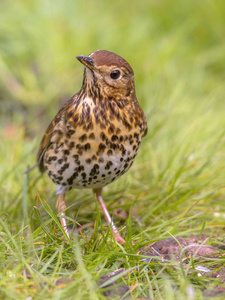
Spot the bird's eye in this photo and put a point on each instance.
(115, 74)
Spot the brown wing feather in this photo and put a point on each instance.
(55, 131)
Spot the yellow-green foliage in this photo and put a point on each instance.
(176, 186)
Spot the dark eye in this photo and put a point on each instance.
(115, 74)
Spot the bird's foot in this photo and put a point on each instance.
(119, 239)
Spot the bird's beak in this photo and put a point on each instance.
(87, 61)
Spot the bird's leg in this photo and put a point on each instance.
(61, 206)
(117, 236)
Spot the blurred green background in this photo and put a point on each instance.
(176, 49)
(176, 185)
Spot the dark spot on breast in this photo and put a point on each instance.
(127, 125)
(76, 157)
(122, 148)
(54, 158)
(83, 138)
(71, 132)
(88, 127)
(92, 136)
(111, 129)
(79, 169)
(124, 152)
(102, 147)
(113, 146)
(114, 138)
(94, 157)
(134, 147)
(87, 147)
(60, 161)
(71, 179)
(83, 174)
(109, 152)
(88, 161)
(71, 145)
(118, 130)
(101, 160)
(107, 141)
(108, 165)
(64, 167)
(102, 136)
(94, 170)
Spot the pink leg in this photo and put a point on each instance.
(61, 206)
(117, 236)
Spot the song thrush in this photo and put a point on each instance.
(95, 136)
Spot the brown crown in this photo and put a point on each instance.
(107, 58)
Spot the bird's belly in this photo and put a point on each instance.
(90, 165)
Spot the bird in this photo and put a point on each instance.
(95, 136)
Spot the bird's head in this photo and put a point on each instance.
(110, 73)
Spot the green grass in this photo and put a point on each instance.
(176, 186)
